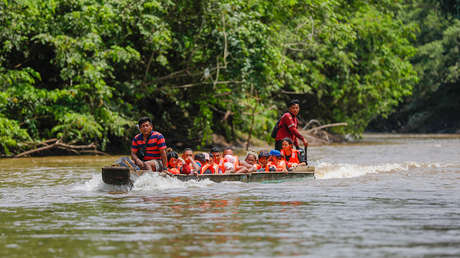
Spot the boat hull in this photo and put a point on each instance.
(126, 176)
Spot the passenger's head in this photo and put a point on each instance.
(286, 143)
(187, 155)
(293, 106)
(216, 153)
(251, 158)
(275, 155)
(263, 157)
(145, 125)
(200, 157)
(172, 158)
(228, 151)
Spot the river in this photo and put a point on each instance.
(387, 195)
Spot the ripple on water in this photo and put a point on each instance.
(397, 198)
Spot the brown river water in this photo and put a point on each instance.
(385, 196)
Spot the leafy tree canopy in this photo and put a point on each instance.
(85, 70)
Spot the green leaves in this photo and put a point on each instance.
(85, 70)
(74, 127)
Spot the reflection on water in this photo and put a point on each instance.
(396, 197)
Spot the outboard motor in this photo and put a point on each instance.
(301, 155)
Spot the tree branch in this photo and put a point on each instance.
(326, 126)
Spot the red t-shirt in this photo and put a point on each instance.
(153, 145)
(288, 128)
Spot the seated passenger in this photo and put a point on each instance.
(200, 161)
(189, 164)
(250, 162)
(276, 162)
(216, 153)
(229, 164)
(210, 167)
(174, 164)
(290, 155)
(237, 168)
(148, 148)
(262, 166)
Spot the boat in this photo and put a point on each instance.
(118, 175)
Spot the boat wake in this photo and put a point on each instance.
(146, 182)
(325, 170)
(153, 181)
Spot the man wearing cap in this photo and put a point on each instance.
(148, 148)
(287, 126)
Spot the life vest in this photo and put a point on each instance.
(260, 169)
(278, 166)
(174, 171)
(294, 159)
(213, 168)
(186, 168)
(236, 163)
(220, 165)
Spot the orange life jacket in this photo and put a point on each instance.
(279, 166)
(236, 164)
(174, 171)
(214, 168)
(259, 167)
(294, 159)
(221, 165)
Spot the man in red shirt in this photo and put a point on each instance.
(148, 149)
(288, 126)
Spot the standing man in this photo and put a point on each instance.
(287, 126)
(148, 149)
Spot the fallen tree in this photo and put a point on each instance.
(318, 136)
(54, 143)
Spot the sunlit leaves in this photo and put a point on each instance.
(83, 70)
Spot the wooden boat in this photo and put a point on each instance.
(125, 176)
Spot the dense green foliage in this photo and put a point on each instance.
(434, 105)
(85, 70)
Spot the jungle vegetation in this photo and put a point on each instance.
(434, 105)
(84, 71)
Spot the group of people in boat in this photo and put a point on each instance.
(219, 161)
(149, 152)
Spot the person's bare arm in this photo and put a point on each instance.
(164, 158)
(137, 160)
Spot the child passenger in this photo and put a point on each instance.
(262, 166)
(174, 165)
(189, 164)
(200, 161)
(276, 162)
(218, 158)
(210, 167)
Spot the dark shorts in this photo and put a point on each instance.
(157, 164)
